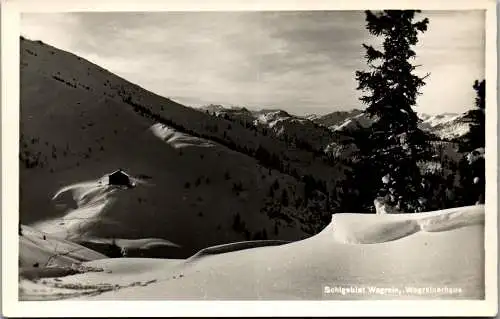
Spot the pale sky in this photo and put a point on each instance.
(302, 62)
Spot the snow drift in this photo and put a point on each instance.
(403, 252)
(372, 229)
(177, 139)
(88, 199)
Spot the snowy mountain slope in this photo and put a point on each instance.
(334, 118)
(158, 209)
(447, 126)
(297, 131)
(312, 130)
(232, 113)
(79, 122)
(69, 69)
(295, 128)
(354, 250)
(356, 122)
(102, 210)
(308, 132)
(39, 249)
(430, 121)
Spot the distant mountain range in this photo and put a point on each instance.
(447, 126)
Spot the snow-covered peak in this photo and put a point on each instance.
(312, 117)
(334, 118)
(434, 120)
(361, 120)
(447, 125)
(431, 121)
(273, 117)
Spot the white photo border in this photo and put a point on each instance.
(10, 20)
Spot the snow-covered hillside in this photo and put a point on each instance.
(430, 121)
(311, 128)
(44, 255)
(297, 131)
(446, 126)
(334, 118)
(354, 250)
(214, 176)
(356, 122)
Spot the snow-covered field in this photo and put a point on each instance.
(434, 255)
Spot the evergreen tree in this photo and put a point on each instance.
(472, 168)
(480, 88)
(392, 147)
(475, 138)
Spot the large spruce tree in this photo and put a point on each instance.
(472, 166)
(393, 146)
(475, 138)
